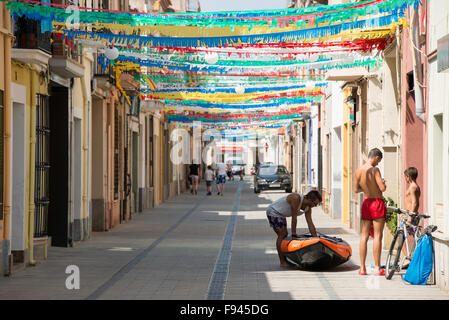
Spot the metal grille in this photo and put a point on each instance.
(42, 173)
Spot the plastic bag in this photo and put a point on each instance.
(422, 262)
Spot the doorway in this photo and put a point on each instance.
(77, 180)
(18, 174)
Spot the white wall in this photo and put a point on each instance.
(314, 145)
(337, 103)
(438, 120)
(337, 150)
(438, 21)
(438, 143)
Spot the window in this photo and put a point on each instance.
(410, 82)
(282, 170)
(42, 167)
(271, 170)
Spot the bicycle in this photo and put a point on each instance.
(394, 254)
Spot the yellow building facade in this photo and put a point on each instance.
(5, 139)
(29, 85)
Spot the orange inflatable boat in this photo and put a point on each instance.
(316, 253)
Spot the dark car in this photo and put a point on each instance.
(272, 177)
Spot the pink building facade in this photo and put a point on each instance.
(413, 128)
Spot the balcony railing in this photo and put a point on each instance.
(62, 47)
(66, 60)
(102, 71)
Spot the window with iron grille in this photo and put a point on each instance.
(2, 110)
(42, 167)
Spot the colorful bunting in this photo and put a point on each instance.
(235, 70)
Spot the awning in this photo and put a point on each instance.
(350, 74)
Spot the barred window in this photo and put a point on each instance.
(42, 166)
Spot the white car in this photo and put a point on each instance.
(237, 166)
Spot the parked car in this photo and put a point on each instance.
(272, 177)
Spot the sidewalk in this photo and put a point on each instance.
(175, 250)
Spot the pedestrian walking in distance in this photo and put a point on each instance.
(221, 177)
(209, 177)
(194, 171)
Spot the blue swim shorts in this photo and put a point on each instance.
(277, 222)
(221, 179)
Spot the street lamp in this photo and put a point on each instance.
(111, 53)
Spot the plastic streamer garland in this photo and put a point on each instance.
(354, 21)
(289, 36)
(318, 15)
(327, 65)
(238, 126)
(231, 115)
(303, 88)
(237, 116)
(240, 120)
(272, 103)
(284, 49)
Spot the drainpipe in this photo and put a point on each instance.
(85, 150)
(399, 101)
(32, 169)
(417, 72)
(7, 147)
(398, 67)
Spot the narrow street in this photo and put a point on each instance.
(203, 247)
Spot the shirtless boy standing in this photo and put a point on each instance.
(369, 181)
(411, 202)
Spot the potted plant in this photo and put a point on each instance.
(391, 223)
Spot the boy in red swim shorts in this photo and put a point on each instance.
(367, 179)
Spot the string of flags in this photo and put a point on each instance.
(229, 70)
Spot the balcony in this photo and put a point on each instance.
(31, 45)
(66, 61)
(129, 85)
(103, 74)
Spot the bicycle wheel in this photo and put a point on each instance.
(394, 254)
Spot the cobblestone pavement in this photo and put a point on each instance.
(204, 247)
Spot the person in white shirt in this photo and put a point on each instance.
(209, 177)
(221, 177)
(292, 206)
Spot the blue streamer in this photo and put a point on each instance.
(288, 36)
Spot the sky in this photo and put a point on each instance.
(237, 5)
